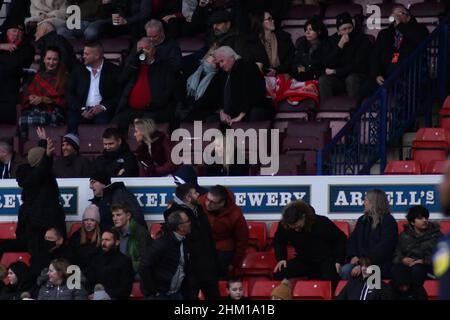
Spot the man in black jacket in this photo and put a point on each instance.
(395, 43)
(200, 241)
(148, 87)
(93, 89)
(244, 96)
(107, 193)
(112, 269)
(163, 271)
(347, 63)
(16, 53)
(318, 243)
(72, 164)
(116, 159)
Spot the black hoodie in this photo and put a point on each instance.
(113, 161)
(24, 282)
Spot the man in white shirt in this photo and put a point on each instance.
(93, 89)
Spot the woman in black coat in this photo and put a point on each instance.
(311, 51)
(20, 281)
(271, 49)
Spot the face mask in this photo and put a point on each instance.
(49, 245)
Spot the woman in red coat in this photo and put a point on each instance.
(154, 150)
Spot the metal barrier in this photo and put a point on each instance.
(390, 110)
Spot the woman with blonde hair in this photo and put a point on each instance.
(154, 150)
(375, 236)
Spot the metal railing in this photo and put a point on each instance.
(390, 110)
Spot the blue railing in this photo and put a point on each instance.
(390, 110)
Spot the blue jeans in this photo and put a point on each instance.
(90, 30)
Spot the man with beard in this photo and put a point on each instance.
(441, 259)
(200, 242)
(111, 269)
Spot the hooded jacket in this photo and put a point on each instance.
(113, 161)
(116, 192)
(24, 282)
(50, 291)
(229, 228)
(417, 246)
(73, 166)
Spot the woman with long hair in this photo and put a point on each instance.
(319, 244)
(271, 49)
(43, 101)
(374, 236)
(19, 281)
(154, 150)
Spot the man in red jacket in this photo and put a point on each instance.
(229, 227)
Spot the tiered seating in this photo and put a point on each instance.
(8, 230)
(312, 290)
(154, 230)
(436, 167)
(257, 234)
(403, 167)
(444, 114)
(262, 289)
(431, 144)
(338, 110)
(257, 264)
(339, 287)
(343, 226)
(10, 257)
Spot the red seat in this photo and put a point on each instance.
(445, 226)
(272, 230)
(291, 165)
(436, 167)
(10, 257)
(312, 290)
(257, 264)
(343, 226)
(155, 228)
(403, 167)
(136, 293)
(262, 289)
(339, 287)
(430, 144)
(74, 228)
(401, 225)
(432, 289)
(257, 234)
(8, 230)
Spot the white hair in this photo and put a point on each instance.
(154, 23)
(227, 52)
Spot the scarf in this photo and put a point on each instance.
(196, 84)
(271, 45)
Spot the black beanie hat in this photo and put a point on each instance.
(343, 18)
(101, 177)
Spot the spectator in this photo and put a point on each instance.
(177, 15)
(53, 247)
(134, 238)
(167, 50)
(416, 244)
(311, 51)
(53, 11)
(111, 268)
(375, 236)
(55, 288)
(116, 159)
(229, 227)
(15, 11)
(235, 289)
(402, 286)
(271, 49)
(346, 67)
(92, 16)
(163, 269)
(9, 160)
(72, 164)
(359, 288)
(149, 86)
(86, 242)
(318, 243)
(40, 209)
(154, 150)
(244, 96)
(46, 36)
(107, 193)
(204, 91)
(16, 53)
(200, 242)
(93, 89)
(187, 174)
(19, 281)
(44, 102)
(395, 43)
(283, 291)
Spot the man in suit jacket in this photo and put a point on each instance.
(93, 89)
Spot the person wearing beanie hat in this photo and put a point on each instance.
(16, 53)
(85, 243)
(73, 140)
(187, 174)
(283, 291)
(19, 281)
(346, 67)
(107, 193)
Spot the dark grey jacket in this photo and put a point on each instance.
(49, 291)
(410, 244)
